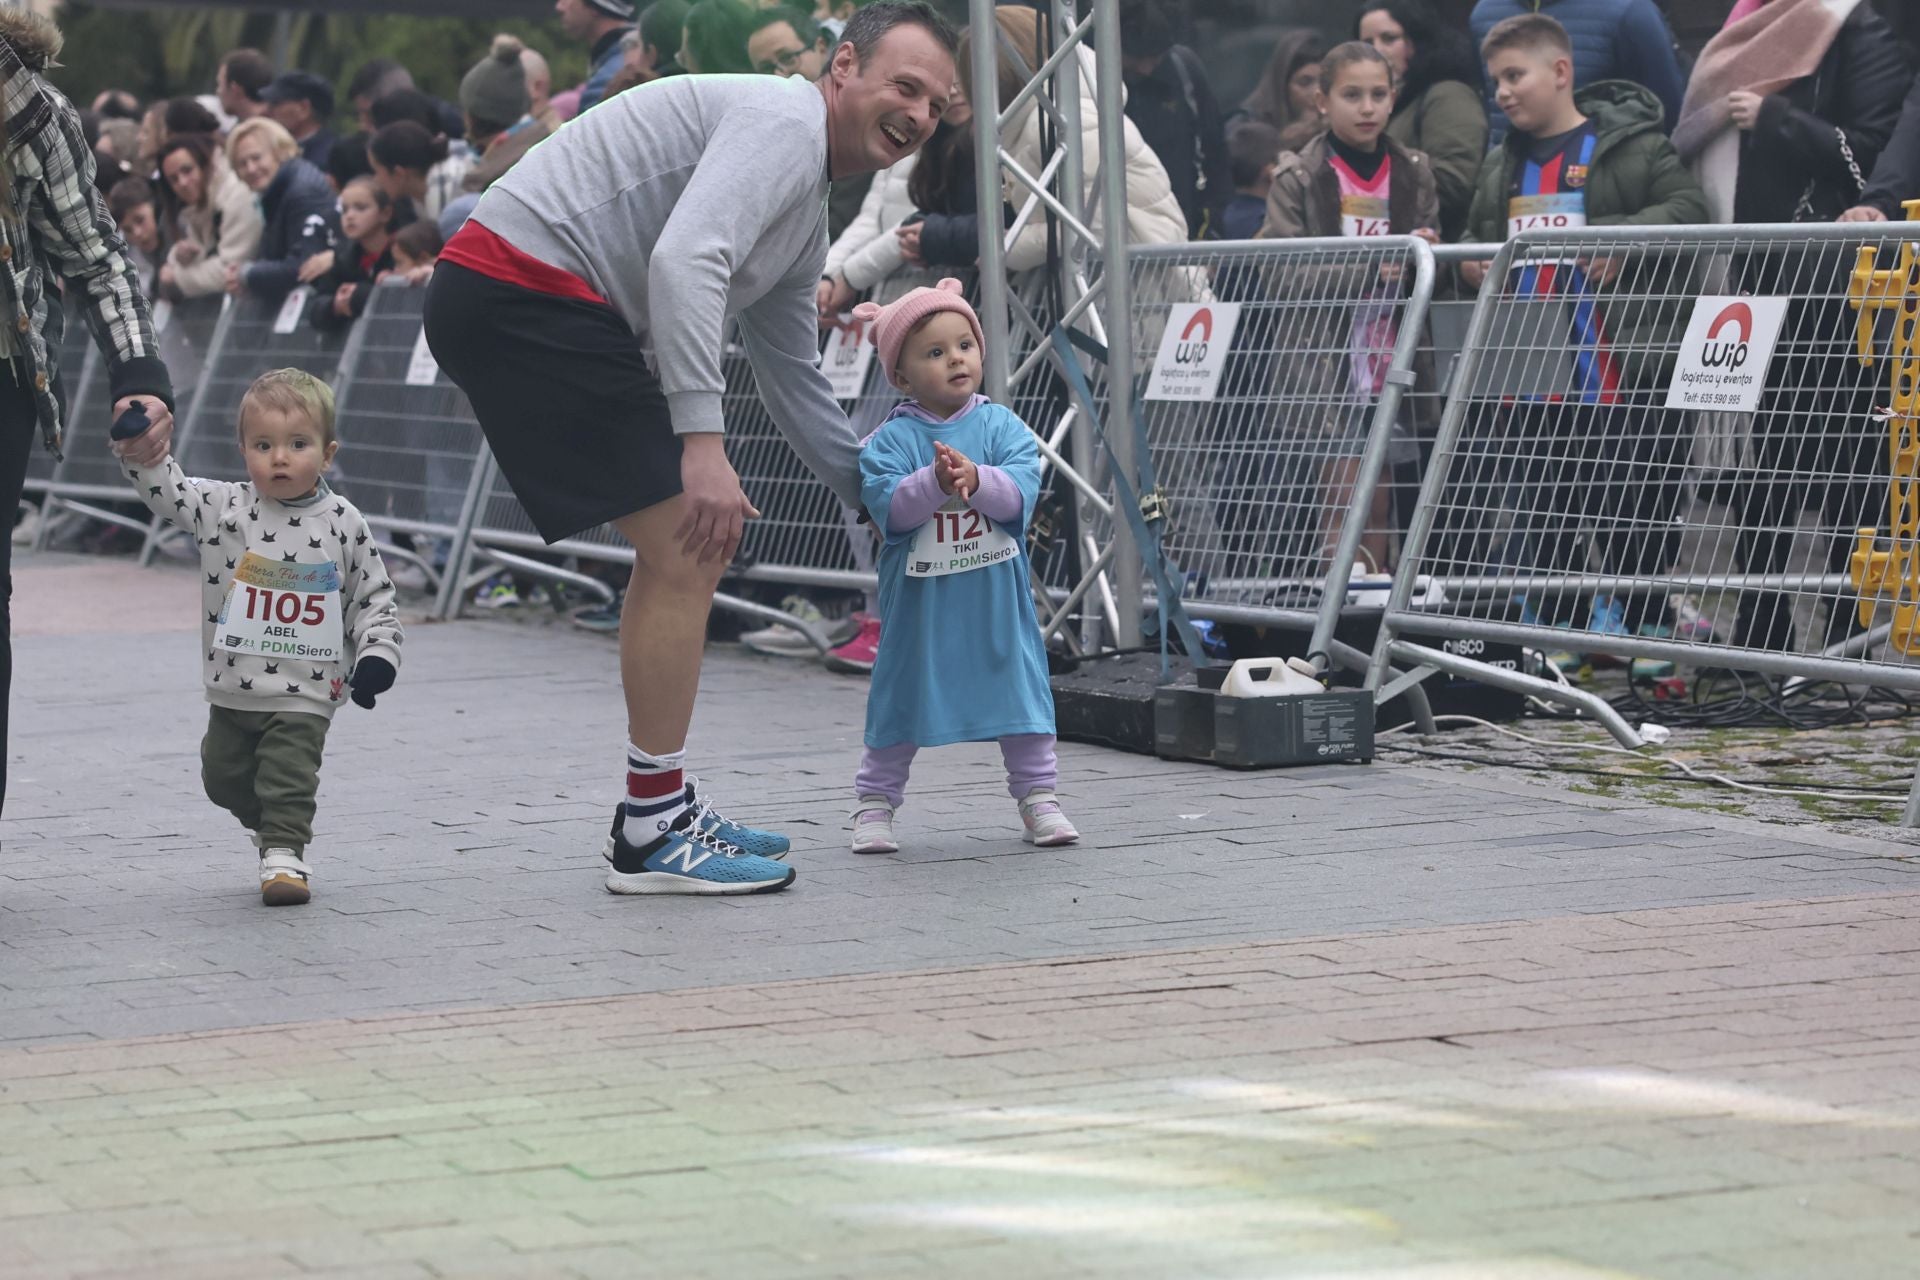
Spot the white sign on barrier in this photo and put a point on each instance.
(292, 309)
(847, 358)
(422, 370)
(1193, 351)
(1724, 356)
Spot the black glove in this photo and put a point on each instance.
(369, 678)
(134, 422)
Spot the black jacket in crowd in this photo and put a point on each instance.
(1175, 111)
(349, 267)
(1799, 146)
(950, 237)
(1896, 177)
(302, 217)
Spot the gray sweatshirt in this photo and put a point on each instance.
(682, 203)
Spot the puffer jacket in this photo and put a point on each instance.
(867, 254)
(62, 231)
(1447, 124)
(226, 230)
(1153, 215)
(1314, 361)
(302, 218)
(1612, 40)
(1636, 180)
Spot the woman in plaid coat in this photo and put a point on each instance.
(55, 235)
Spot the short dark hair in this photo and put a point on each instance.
(406, 104)
(420, 239)
(803, 24)
(348, 159)
(127, 195)
(248, 70)
(717, 36)
(406, 144)
(662, 25)
(377, 78)
(185, 115)
(1252, 145)
(1531, 32)
(868, 25)
(1148, 28)
(119, 104)
(1350, 54)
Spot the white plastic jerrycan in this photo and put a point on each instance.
(1270, 678)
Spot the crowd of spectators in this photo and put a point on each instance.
(1798, 110)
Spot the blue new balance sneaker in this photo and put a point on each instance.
(761, 844)
(752, 840)
(689, 860)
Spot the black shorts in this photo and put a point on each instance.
(576, 420)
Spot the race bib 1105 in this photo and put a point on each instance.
(958, 540)
(282, 609)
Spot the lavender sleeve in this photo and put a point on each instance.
(999, 497)
(915, 499)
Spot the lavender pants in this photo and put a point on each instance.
(1028, 756)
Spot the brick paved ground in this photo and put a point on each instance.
(1342, 1022)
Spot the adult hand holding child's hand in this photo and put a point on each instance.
(956, 473)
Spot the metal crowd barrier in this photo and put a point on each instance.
(1639, 415)
(412, 458)
(251, 337)
(88, 483)
(1276, 382)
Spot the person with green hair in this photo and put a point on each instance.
(716, 38)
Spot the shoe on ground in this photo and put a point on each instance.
(27, 527)
(497, 592)
(761, 844)
(602, 619)
(283, 878)
(408, 576)
(687, 860)
(856, 656)
(1046, 825)
(873, 826)
(782, 641)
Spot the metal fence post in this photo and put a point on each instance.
(1120, 427)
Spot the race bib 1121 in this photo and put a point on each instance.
(282, 609)
(958, 540)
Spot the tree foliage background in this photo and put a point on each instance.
(174, 52)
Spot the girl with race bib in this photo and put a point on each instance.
(1354, 181)
(299, 612)
(950, 480)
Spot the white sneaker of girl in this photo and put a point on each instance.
(873, 826)
(1046, 825)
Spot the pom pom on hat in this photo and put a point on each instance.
(890, 325)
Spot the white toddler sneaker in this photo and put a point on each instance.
(283, 878)
(873, 826)
(1046, 825)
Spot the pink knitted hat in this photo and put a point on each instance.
(891, 324)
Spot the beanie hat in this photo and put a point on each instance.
(891, 324)
(495, 91)
(621, 9)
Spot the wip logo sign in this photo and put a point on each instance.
(1722, 361)
(1721, 352)
(1193, 350)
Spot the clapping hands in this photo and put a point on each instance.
(955, 472)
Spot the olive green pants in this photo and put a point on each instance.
(263, 767)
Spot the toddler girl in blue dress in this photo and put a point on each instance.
(950, 480)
